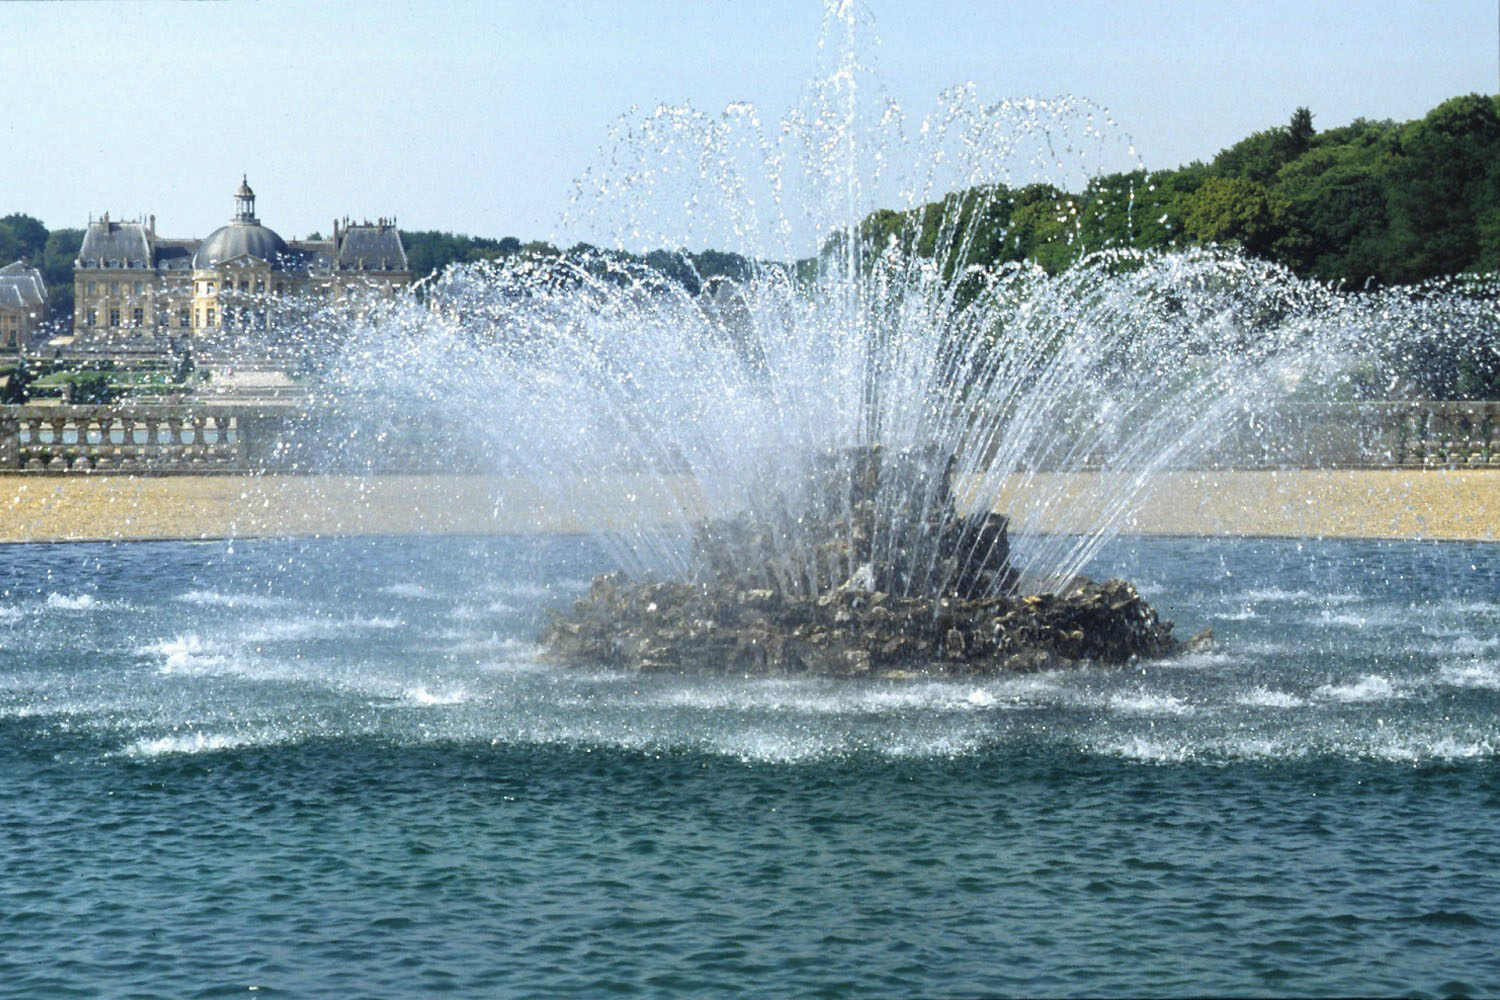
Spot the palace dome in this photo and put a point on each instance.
(243, 237)
(239, 239)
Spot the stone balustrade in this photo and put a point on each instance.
(135, 439)
(283, 437)
(1401, 434)
(1424, 434)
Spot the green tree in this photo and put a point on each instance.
(1233, 210)
(18, 386)
(95, 388)
(1442, 180)
(1300, 132)
(60, 251)
(28, 234)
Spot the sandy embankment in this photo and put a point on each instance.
(1348, 504)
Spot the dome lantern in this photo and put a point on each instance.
(244, 202)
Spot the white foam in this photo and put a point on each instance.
(74, 602)
(1261, 697)
(185, 654)
(1260, 647)
(758, 747)
(292, 629)
(492, 643)
(941, 744)
(1149, 750)
(814, 698)
(1216, 658)
(518, 664)
(1370, 687)
(218, 599)
(194, 742)
(423, 696)
(1446, 747)
(1269, 595)
(1468, 645)
(408, 590)
(1471, 675)
(1166, 750)
(1147, 703)
(1340, 619)
(1451, 607)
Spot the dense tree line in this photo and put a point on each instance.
(1370, 203)
(430, 252)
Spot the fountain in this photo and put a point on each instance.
(883, 457)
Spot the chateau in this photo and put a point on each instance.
(23, 304)
(133, 288)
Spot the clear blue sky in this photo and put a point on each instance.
(475, 117)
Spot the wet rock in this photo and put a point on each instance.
(853, 633)
(856, 616)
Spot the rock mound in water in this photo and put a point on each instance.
(698, 627)
(877, 535)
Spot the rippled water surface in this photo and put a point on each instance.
(336, 767)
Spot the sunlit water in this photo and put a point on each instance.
(338, 767)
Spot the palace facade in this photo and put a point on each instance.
(132, 287)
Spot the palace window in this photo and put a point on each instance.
(136, 317)
(244, 285)
(260, 285)
(184, 318)
(92, 319)
(210, 318)
(137, 288)
(209, 288)
(114, 317)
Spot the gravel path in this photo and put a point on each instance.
(1346, 503)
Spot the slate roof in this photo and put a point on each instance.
(115, 244)
(21, 287)
(371, 248)
(175, 255)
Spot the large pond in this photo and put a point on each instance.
(337, 767)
